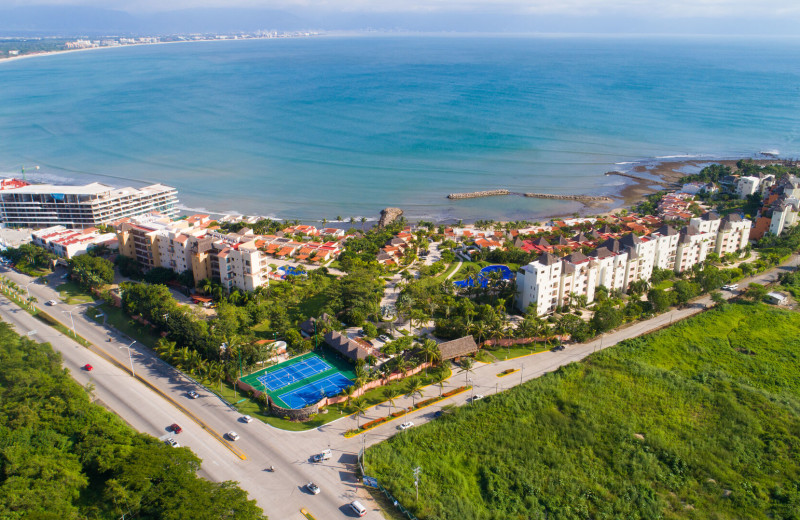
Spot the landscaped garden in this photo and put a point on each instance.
(701, 420)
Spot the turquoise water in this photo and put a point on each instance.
(313, 128)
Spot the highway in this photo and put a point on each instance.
(205, 420)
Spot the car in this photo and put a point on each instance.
(557, 348)
(405, 425)
(174, 428)
(88, 367)
(65, 276)
(384, 338)
(323, 455)
(730, 287)
(192, 394)
(476, 397)
(313, 488)
(232, 435)
(438, 414)
(172, 442)
(358, 508)
(247, 419)
(51, 302)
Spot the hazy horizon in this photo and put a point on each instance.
(714, 17)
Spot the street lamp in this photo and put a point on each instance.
(133, 374)
(472, 392)
(72, 320)
(26, 287)
(521, 371)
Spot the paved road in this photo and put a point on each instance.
(280, 494)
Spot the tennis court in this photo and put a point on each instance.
(313, 392)
(287, 375)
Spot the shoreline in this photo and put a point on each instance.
(665, 171)
(143, 44)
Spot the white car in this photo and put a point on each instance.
(247, 419)
(51, 302)
(476, 397)
(172, 442)
(406, 425)
(730, 287)
(313, 488)
(233, 436)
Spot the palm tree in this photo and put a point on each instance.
(359, 406)
(349, 391)
(363, 220)
(431, 351)
(467, 364)
(390, 393)
(414, 388)
(32, 301)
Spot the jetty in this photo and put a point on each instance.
(579, 198)
(643, 179)
(478, 194)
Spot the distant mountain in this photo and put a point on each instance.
(90, 21)
(74, 21)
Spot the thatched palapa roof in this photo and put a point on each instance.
(458, 347)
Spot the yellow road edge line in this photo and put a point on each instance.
(407, 413)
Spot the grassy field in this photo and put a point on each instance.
(700, 421)
(116, 318)
(73, 293)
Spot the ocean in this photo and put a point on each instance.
(320, 127)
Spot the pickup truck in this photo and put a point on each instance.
(319, 457)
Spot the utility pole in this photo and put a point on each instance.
(521, 371)
(416, 480)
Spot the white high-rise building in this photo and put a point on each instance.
(90, 205)
(550, 282)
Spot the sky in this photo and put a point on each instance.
(670, 8)
(714, 17)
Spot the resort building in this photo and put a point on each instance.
(67, 243)
(550, 282)
(90, 205)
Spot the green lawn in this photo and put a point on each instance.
(515, 351)
(697, 421)
(116, 318)
(72, 293)
(665, 284)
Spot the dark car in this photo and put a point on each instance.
(557, 348)
(175, 428)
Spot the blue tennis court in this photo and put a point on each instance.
(312, 392)
(285, 376)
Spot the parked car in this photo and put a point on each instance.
(313, 488)
(405, 425)
(358, 508)
(192, 394)
(730, 287)
(384, 338)
(476, 397)
(51, 302)
(175, 428)
(88, 367)
(247, 419)
(232, 435)
(324, 455)
(557, 348)
(172, 442)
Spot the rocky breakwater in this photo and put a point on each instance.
(389, 215)
(579, 198)
(478, 194)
